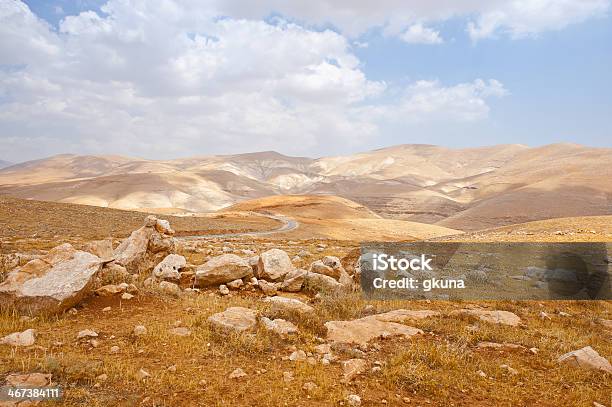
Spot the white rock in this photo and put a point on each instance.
(279, 326)
(280, 304)
(54, 283)
(353, 400)
(168, 288)
(234, 319)
(586, 358)
(273, 265)
(25, 338)
(169, 268)
(139, 330)
(237, 374)
(87, 333)
(223, 290)
(222, 269)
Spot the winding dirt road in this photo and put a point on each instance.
(288, 225)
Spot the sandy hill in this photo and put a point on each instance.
(4, 164)
(339, 218)
(467, 189)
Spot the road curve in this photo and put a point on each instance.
(288, 225)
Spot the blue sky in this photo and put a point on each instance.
(303, 78)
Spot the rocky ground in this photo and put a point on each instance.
(156, 320)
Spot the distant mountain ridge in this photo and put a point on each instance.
(466, 189)
(4, 164)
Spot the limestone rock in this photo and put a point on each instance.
(28, 380)
(235, 284)
(87, 333)
(361, 331)
(401, 315)
(352, 368)
(587, 358)
(163, 226)
(493, 317)
(139, 330)
(321, 268)
(269, 289)
(279, 305)
(180, 331)
(279, 326)
(222, 269)
(55, 282)
(168, 288)
(132, 251)
(234, 319)
(294, 280)
(169, 267)
(25, 338)
(101, 248)
(353, 400)
(273, 265)
(223, 290)
(321, 282)
(237, 374)
(109, 290)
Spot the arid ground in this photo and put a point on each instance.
(448, 364)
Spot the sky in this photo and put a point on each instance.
(169, 79)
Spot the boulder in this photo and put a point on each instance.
(332, 261)
(280, 305)
(168, 288)
(55, 282)
(586, 358)
(321, 282)
(361, 331)
(168, 268)
(294, 280)
(273, 265)
(401, 315)
(269, 289)
(101, 248)
(25, 338)
(233, 320)
(28, 380)
(493, 317)
(109, 290)
(222, 269)
(320, 268)
(279, 326)
(163, 226)
(113, 273)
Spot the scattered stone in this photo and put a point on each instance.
(108, 290)
(221, 270)
(323, 348)
(28, 380)
(361, 331)
(309, 386)
(298, 356)
(223, 290)
(169, 268)
(279, 326)
(586, 358)
(294, 280)
(102, 378)
(234, 319)
(126, 296)
(481, 373)
(510, 370)
(353, 400)
(321, 282)
(237, 374)
(180, 331)
(114, 349)
(171, 369)
(139, 330)
(235, 284)
(509, 347)
(142, 375)
(320, 268)
(534, 350)
(543, 315)
(352, 368)
(101, 248)
(493, 317)
(170, 289)
(402, 315)
(25, 338)
(273, 265)
(269, 289)
(87, 333)
(281, 305)
(163, 226)
(287, 377)
(106, 309)
(54, 283)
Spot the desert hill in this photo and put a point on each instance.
(466, 189)
(332, 217)
(4, 164)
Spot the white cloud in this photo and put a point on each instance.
(171, 78)
(418, 34)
